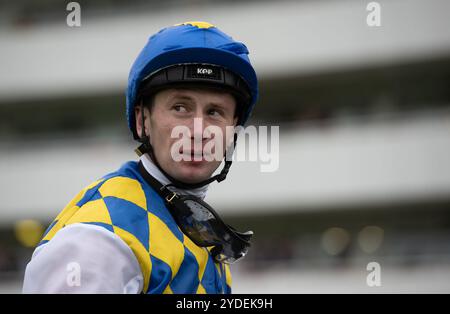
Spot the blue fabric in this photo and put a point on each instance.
(160, 276)
(186, 279)
(129, 217)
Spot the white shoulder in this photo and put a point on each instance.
(83, 258)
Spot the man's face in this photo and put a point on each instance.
(178, 107)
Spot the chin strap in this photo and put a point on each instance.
(146, 147)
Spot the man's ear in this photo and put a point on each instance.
(138, 120)
(138, 115)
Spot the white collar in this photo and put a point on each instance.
(154, 171)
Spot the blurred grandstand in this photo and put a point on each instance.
(364, 116)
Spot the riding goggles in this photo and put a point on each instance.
(200, 222)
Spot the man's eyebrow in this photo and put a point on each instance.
(181, 96)
(217, 105)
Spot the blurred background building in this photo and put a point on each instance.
(364, 116)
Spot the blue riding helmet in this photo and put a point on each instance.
(192, 43)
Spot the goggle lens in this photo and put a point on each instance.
(202, 225)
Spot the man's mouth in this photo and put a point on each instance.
(194, 155)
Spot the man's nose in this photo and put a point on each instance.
(197, 127)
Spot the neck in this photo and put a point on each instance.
(154, 171)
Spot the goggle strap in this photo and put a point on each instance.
(167, 194)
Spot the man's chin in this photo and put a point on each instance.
(192, 173)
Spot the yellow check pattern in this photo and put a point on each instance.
(123, 203)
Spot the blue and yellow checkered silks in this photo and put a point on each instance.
(123, 203)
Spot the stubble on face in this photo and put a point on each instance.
(172, 108)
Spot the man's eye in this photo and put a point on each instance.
(179, 108)
(214, 112)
